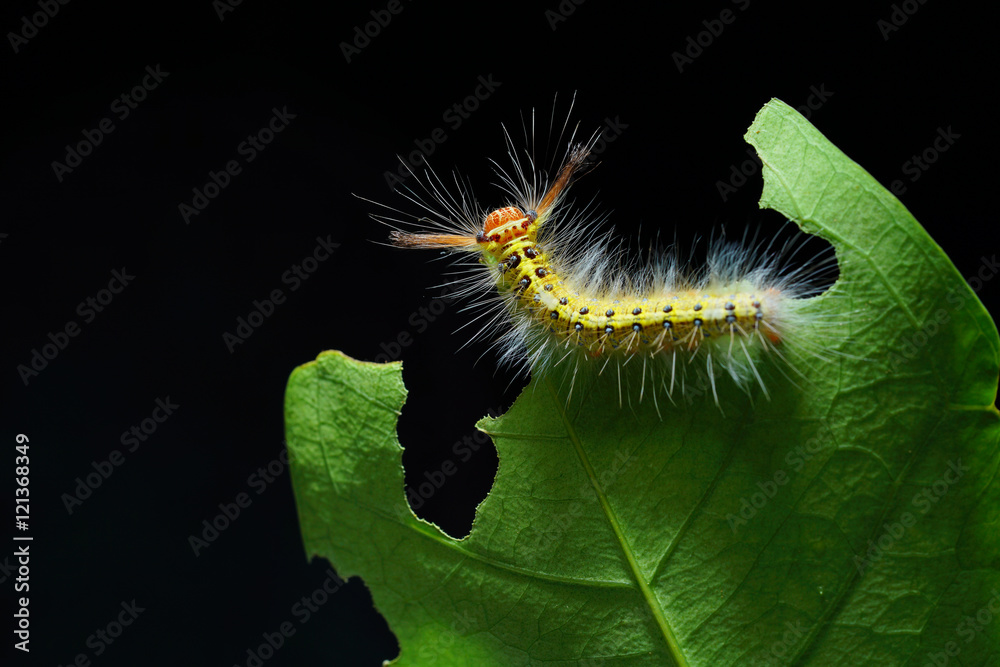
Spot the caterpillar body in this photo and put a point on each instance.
(556, 297)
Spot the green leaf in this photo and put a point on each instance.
(852, 520)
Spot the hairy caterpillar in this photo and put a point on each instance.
(562, 299)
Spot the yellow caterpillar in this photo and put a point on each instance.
(572, 303)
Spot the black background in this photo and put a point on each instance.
(162, 336)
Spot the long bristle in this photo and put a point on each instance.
(444, 241)
(567, 298)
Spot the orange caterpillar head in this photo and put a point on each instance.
(504, 225)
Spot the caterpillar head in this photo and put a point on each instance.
(503, 226)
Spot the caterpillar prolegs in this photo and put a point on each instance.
(558, 299)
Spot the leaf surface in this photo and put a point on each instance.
(852, 519)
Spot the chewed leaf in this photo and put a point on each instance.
(852, 519)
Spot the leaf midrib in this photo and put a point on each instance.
(647, 592)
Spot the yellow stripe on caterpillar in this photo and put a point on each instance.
(570, 301)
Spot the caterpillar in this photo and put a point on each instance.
(557, 296)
